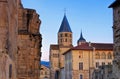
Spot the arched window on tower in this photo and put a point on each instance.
(103, 55)
(61, 35)
(109, 55)
(66, 35)
(97, 55)
(66, 40)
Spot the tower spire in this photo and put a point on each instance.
(65, 33)
(81, 39)
(64, 11)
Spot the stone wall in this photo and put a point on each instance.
(29, 44)
(20, 41)
(116, 33)
(8, 38)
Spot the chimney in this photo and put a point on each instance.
(89, 43)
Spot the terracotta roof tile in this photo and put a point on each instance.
(97, 46)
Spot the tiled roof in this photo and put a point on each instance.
(65, 27)
(97, 46)
(54, 47)
(91, 46)
(115, 4)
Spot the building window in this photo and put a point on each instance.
(61, 35)
(10, 70)
(81, 76)
(97, 64)
(70, 35)
(65, 40)
(97, 55)
(80, 54)
(81, 66)
(46, 73)
(109, 63)
(61, 40)
(103, 55)
(55, 55)
(103, 63)
(109, 56)
(66, 35)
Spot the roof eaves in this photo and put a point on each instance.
(115, 4)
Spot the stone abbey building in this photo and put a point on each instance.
(77, 62)
(20, 41)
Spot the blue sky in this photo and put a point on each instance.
(93, 17)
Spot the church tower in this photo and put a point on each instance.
(81, 39)
(57, 50)
(65, 33)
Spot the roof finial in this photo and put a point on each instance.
(81, 36)
(64, 11)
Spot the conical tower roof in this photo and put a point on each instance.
(65, 27)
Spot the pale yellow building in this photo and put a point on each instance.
(81, 60)
(44, 72)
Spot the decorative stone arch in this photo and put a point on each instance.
(103, 55)
(109, 55)
(97, 55)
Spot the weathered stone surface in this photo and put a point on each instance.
(20, 41)
(8, 38)
(29, 44)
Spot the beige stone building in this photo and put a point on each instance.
(57, 50)
(83, 59)
(20, 41)
(79, 62)
(44, 72)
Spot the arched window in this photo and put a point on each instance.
(66, 34)
(103, 55)
(109, 55)
(97, 55)
(10, 70)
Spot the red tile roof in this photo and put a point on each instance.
(97, 46)
(91, 46)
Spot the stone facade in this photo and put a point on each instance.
(8, 38)
(20, 41)
(82, 60)
(44, 72)
(29, 44)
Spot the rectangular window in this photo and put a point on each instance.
(66, 35)
(103, 63)
(81, 76)
(97, 64)
(81, 66)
